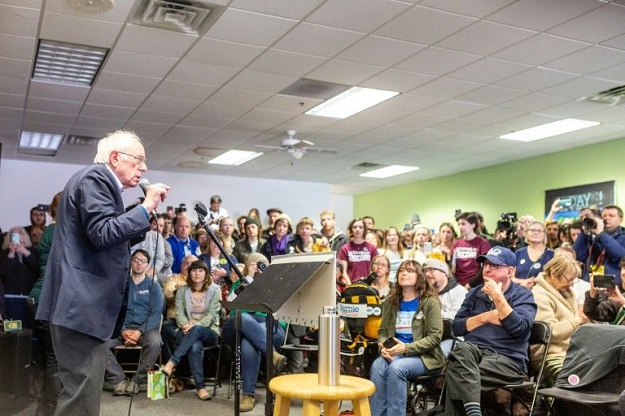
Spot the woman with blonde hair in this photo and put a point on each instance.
(557, 306)
(393, 249)
(531, 259)
(380, 274)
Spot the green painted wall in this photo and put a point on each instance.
(511, 187)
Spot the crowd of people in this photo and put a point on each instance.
(492, 287)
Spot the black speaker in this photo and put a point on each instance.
(15, 350)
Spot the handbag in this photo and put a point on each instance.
(157, 385)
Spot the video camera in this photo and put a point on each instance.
(507, 222)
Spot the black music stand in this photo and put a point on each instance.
(294, 288)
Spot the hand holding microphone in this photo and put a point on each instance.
(154, 194)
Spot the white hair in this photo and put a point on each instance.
(117, 141)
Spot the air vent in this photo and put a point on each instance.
(366, 166)
(81, 140)
(184, 16)
(613, 96)
(310, 88)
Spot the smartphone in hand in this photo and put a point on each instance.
(389, 343)
(605, 281)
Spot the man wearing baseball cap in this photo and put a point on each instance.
(495, 319)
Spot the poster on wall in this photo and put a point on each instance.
(574, 198)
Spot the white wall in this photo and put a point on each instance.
(25, 184)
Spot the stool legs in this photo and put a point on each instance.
(281, 406)
(361, 407)
(312, 408)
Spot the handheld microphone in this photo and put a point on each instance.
(370, 279)
(143, 184)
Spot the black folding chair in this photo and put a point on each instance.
(541, 336)
(423, 390)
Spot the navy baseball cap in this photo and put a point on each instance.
(499, 255)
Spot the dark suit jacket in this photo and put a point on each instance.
(89, 259)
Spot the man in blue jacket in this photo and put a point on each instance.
(602, 247)
(495, 320)
(88, 266)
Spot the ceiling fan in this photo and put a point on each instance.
(297, 147)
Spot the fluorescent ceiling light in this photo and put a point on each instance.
(350, 102)
(42, 144)
(549, 130)
(388, 171)
(235, 157)
(68, 62)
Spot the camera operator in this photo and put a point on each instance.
(505, 234)
(602, 244)
(606, 304)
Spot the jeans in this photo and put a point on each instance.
(390, 380)
(192, 345)
(150, 342)
(253, 345)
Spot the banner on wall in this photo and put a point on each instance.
(574, 198)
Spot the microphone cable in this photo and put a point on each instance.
(145, 325)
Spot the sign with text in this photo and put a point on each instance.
(575, 198)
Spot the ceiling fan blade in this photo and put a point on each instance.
(265, 146)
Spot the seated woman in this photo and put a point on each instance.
(557, 306)
(253, 337)
(305, 240)
(409, 339)
(197, 316)
(393, 249)
(380, 267)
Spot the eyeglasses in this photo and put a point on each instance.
(535, 230)
(567, 280)
(140, 261)
(491, 266)
(139, 159)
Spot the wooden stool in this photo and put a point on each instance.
(306, 387)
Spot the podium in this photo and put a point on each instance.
(294, 289)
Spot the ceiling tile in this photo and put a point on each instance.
(152, 41)
(615, 73)
(540, 49)
(268, 116)
(134, 63)
(470, 39)
(293, 9)
(12, 100)
(18, 47)
(54, 106)
(56, 91)
(13, 85)
(536, 79)
(437, 61)
(106, 111)
(168, 117)
(594, 58)
(240, 26)
(580, 87)
(452, 109)
(488, 70)
(120, 98)
(245, 99)
(222, 111)
(126, 82)
(477, 8)
(540, 15)
(380, 51)
(423, 25)
(596, 26)
(312, 39)
(491, 95)
(260, 81)
(161, 103)
(396, 80)
(14, 68)
(446, 88)
(343, 72)
(218, 52)
(74, 29)
(289, 104)
(180, 89)
(358, 15)
(19, 21)
(286, 63)
(534, 102)
(195, 72)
